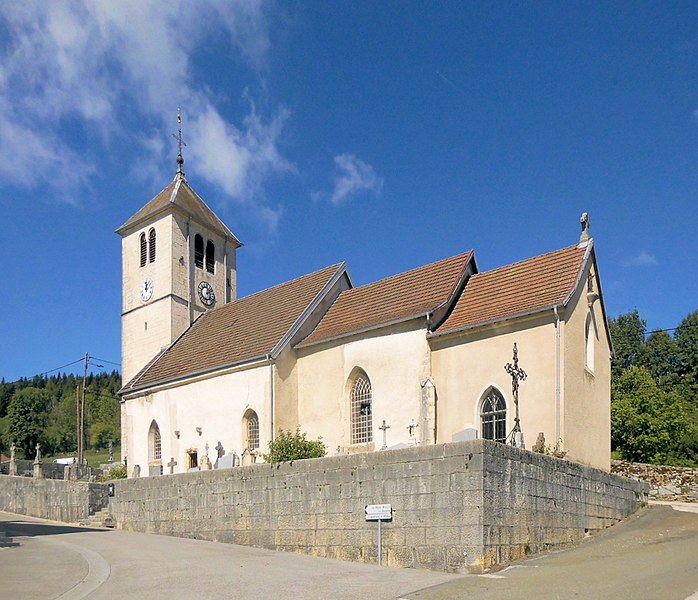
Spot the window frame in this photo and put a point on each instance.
(493, 422)
(154, 443)
(251, 430)
(361, 409)
(589, 342)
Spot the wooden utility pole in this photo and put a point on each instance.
(81, 412)
(78, 425)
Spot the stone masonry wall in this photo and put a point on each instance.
(55, 499)
(666, 482)
(534, 502)
(456, 507)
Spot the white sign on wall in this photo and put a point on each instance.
(378, 512)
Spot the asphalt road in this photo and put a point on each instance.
(652, 556)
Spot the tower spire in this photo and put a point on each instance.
(180, 143)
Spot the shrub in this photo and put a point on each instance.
(113, 473)
(294, 446)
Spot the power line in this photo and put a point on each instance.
(106, 361)
(62, 367)
(684, 326)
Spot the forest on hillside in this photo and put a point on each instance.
(654, 400)
(44, 409)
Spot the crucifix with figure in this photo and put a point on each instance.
(517, 375)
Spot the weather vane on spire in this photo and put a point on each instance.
(180, 143)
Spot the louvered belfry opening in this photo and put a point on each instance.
(144, 250)
(210, 257)
(151, 245)
(198, 251)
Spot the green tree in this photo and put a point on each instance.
(686, 336)
(294, 446)
(28, 415)
(628, 335)
(649, 424)
(60, 433)
(660, 356)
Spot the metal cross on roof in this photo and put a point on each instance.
(517, 375)
(180, 143)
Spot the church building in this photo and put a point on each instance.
(440, 353)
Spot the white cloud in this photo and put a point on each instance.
(68, 67)
(354, 176)
(643, 259)
(237, 160)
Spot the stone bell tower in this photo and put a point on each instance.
(178, 261)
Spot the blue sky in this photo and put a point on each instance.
(384, 134)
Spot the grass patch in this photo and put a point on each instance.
(94, 457)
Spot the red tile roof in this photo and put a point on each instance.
(238, 332)
(180, 195)
(526, 286)
(397, 298)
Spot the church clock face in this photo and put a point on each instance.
(206, 293)
(147, 290)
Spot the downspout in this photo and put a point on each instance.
(557, 378)
(271, 387)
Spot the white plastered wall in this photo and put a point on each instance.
(216, 405)
(586, 431)
(466, 365)
(396, 360)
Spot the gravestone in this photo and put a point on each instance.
(226, 462)
(154, 470)
(136, 471)
(205, 461)
(246, 458)
(13, 460)
(400, 446)
(38, 474)
(466, 435)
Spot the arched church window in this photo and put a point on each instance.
(361, 409)
(210, 257)
(151, 245)
(154, 442)
(494, 416)
(251, 426)
(589, 335)
(198, 251)
(144, 249)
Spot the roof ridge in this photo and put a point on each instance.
(524, 260)
(278, 285)
(401, 273)
(181, 180)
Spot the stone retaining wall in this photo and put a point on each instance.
(665, 482)
(55, 499)
(457, 507)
